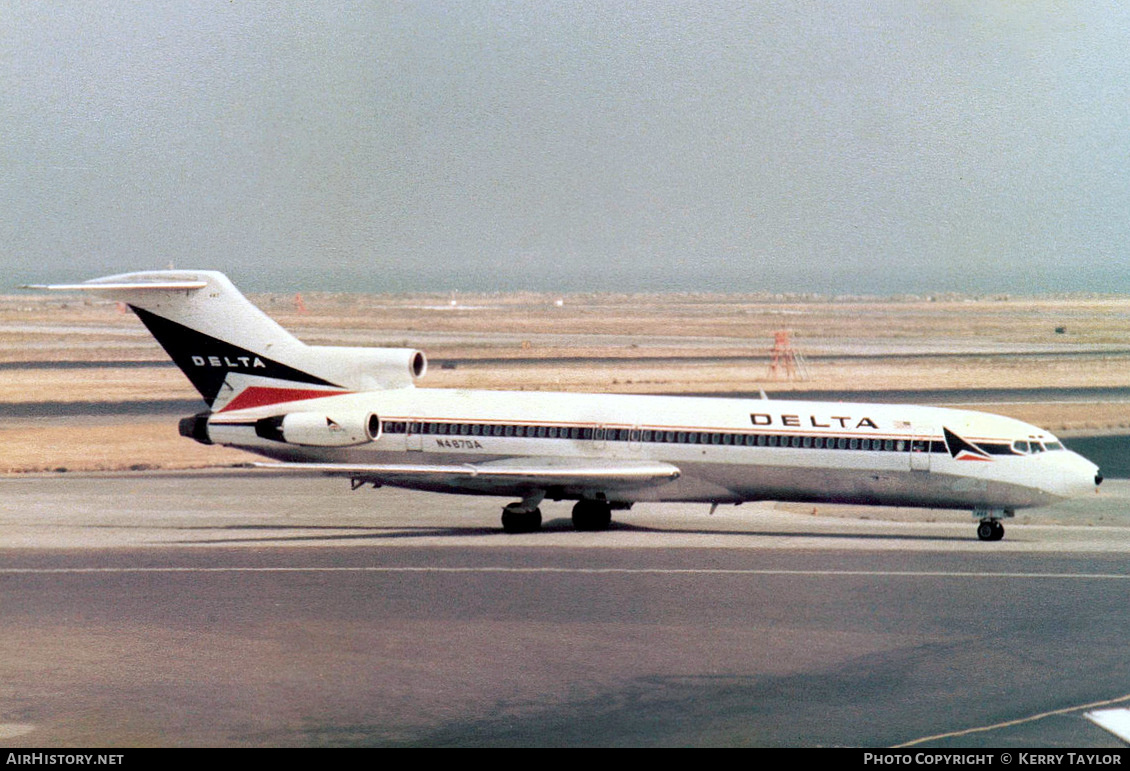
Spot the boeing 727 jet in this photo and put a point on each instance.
(357, 413)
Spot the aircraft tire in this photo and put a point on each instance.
(986, 531)
(591, 516)
(521, 521)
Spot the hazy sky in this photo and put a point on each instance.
(801, 146)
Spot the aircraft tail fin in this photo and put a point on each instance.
(235, 355)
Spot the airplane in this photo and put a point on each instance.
(357, 413)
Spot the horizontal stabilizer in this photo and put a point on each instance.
(138, 286)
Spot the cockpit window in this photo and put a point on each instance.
(1033, 447)
(992, 448)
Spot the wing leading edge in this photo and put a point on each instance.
(501, 477)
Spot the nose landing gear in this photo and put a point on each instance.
(990, 527)
(990, 530)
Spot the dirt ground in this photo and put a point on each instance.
(621, 343)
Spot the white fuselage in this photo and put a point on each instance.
(728, 450)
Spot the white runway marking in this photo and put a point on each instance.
(1018, 721)
(12, 730)
(588, 571)
(1117, 721)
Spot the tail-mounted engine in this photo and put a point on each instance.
(310, 429)
(368, 369)
(196, 427)
(316, 429)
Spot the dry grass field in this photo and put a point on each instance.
(623, 343)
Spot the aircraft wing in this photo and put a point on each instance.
(501, 477)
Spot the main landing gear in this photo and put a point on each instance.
(990, 528)
(525, 517)
(592, 515)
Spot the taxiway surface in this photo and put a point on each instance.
(228, 609)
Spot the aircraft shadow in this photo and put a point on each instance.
(782, 534)
(402, 532)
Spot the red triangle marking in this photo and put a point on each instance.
(261, 396)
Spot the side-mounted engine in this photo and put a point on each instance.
(308, 429)
(316, 429)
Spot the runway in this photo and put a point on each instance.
(227, 610)
(47, 410)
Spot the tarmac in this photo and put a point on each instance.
(241, 608)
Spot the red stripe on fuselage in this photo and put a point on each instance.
(260, 396)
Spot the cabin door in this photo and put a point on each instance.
(599, 437)
(919, 454)
(415, 439)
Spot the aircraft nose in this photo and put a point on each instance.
(1077, 476)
